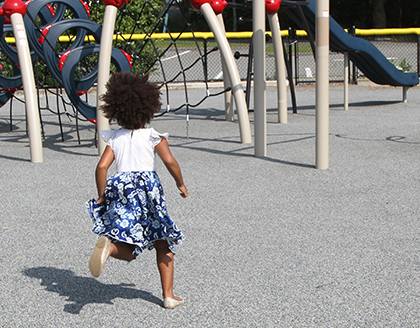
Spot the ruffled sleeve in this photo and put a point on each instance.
(155, 137)
(108, 135)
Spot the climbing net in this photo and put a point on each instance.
(144, 43)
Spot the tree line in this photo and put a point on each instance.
(376, 13)
(348, 13)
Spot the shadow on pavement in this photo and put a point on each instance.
(84, 290)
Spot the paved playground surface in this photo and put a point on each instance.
(270, 242)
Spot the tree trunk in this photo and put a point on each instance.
(379, 17)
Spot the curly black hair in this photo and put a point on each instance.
(130, 100)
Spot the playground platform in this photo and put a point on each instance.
(270, 242)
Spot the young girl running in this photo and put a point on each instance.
(130, 213)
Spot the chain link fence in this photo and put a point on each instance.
(401, 50)
(203, 55)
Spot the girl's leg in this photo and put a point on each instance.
(122, 251)
(165, 263)
(104, 249)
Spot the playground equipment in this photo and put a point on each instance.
(322, 98)
(46, 31)
(209, 11)
(313, 15)
(260, 112)
(52, 29)
(259, 9)
(14, 10)
(272, 7)
(104, 62)
(362, 53)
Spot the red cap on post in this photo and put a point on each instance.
(272, 6)
(11, 7)
(218, 6)
(198, 3)
(116, 3)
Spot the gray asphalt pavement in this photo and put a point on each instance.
(270, 242)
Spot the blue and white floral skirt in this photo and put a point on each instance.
(134, 212)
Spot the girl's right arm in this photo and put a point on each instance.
(162, 149)
(101, 173)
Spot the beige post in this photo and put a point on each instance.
(260, 113)
(280, 68)
(229, 110)
(232, 70)
(28, 80)
(405, 89)
(322, 83)
(346, 81)
(104, 66)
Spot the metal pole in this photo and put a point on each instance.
(260, 113)
(206, 76)
(346, 81)
(405, 90)
(104, 66)
(280, 68)
(322, 83)
(237, 88)
(418, 54)
(354, 68)
(28, 80)
(290, 51)
(249, 73)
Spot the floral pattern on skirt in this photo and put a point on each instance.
(134, 212)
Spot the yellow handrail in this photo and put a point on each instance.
(234, 35)
(388, 31)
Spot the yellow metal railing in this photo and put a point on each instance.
(235, 35)
(388, 31)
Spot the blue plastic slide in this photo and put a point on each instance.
(362, 53)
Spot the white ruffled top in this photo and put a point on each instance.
(134, 150)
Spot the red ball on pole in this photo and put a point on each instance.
(11, 7)
(198, 3)
(272, 6)
(116, 3)
(218, 6)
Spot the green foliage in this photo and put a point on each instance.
(399, 13)
(403, 66)
(137, 17)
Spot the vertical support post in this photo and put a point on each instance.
(322, 21)
(237, 88)
(346, 81)
(353, 66)
(249, 72)
(104, 66)
(418, 54)
(296, 56)
(206, 69)
(229, 112)
(260, 115)
(28, 80)
(405, 89)
(290, 54)
(280, 68)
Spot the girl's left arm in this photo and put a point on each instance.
(101, 173)
(163, 151)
